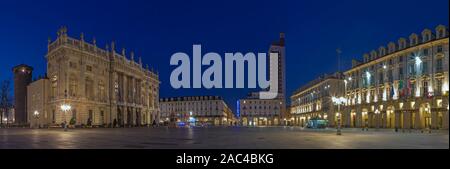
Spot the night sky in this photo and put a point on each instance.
(156, 30)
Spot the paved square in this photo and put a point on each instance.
(220, 138)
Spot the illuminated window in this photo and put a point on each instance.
(89, 68)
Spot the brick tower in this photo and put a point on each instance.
(22, 78)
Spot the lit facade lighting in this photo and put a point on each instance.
(418, 60)
(66, 107)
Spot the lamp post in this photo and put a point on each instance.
(339, 101)
(36, 118)
(65, 108)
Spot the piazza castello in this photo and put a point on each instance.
(87, 84)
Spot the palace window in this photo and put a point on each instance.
(101, 91)
(425, 87)
(390, 76)
(54, 86)
(425, 67)
(73, 65)
(439, 65)
(412, 70)
(380, 78)
(439, 86)
(73, 86)
(413, 40)
(413, 89)
(439, 49)
(89, 89)
(89, 68)
(74, 114)
(441, 33)
(425, 52)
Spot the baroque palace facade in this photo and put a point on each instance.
(89, 85)
(403, 86)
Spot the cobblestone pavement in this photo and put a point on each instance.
(220, 138)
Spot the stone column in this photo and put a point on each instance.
(133, 90)
(358, 118)
(125, 115)
(346, 119)
(418, 121)
(406, 119)
(125, 89)
(434, 119)
(370, 119)
(397, 115)
(445, 120)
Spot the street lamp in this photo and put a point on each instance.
(339, 101)
(36, 118)
(65, 108)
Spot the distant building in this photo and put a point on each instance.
(22, 77)
(90, 85)
(258, 112)
(197, 110)
(314, 100)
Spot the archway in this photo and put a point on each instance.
(365, 118)
(390, 117)
(353, 118)
(440, 120)
(244, 121)
(425, 112)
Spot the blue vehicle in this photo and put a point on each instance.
(181, 124)
(317, 123)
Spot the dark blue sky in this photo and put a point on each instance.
(156, 30)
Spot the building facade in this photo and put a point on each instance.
(253, 111)
(89, 85)
(197, 110)
(259, 112)
(314, 100)
(404, 85)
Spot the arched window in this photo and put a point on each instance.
(402, 43)
(382, 51)
(391, 47)
(441, 31)
(426, 35)
(413, 39)
(373, 55)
